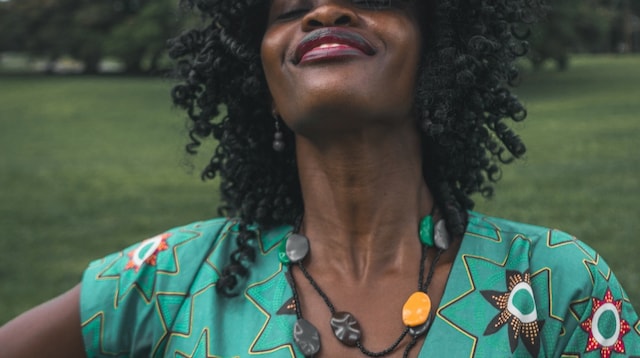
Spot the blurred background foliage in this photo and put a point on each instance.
(132, 33)
(585, 26)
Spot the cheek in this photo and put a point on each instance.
(272, 59)
(412, 42)
(404, 66)
(406, 62)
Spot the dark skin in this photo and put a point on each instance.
(359, 164)
(49, 330)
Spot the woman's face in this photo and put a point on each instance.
(338, 64)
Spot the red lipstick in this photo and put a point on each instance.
(330, 43)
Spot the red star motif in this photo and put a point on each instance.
(596, 341)
(153, 246)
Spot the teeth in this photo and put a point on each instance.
(329, 45)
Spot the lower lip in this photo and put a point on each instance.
(330, 53)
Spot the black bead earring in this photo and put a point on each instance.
(278, 137)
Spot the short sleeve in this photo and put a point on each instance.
(607, 324)
(128, 299)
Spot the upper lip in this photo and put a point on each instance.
(330, 35)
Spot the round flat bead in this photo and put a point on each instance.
(441, 235)
(282, 253)
(297, 247)
(306, 337)
(346, 328)
(416, 310)
(426, 231)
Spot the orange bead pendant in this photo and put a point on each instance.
(415, 311)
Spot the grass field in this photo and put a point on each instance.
(91, 165)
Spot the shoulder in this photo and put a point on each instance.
(573, 266)
(123, 289)
(160, 252)
(567, 282)
(182, 251)
(540, 246)
(141, 301)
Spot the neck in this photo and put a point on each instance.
(364, 196)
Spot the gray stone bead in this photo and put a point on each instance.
(346, 328)
(306, 337)
(441, 235)
(297, 247)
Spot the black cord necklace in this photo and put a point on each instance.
(417, 314)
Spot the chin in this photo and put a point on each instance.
(344, 114)
(338, 101)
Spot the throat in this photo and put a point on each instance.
(363, 254)
(370, 303)
(364, 263)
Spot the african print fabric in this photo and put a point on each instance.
(514, 290)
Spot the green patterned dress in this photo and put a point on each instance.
(515, 290)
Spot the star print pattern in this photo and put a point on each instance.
(521, 325)
(485, 292)
(289, 307)
(564, 274)
(268, 296)
(147, 252)
(597, 339)
(514, 290)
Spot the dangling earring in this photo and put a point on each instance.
(278, 137)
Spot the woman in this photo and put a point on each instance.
(354, 134)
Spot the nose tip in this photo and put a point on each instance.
(329, 15)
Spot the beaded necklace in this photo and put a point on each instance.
(416, 313)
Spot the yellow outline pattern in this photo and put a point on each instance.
(491, 232)
(487, 242)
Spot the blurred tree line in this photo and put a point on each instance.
(585, 26)
(135, 31)
(132, 31)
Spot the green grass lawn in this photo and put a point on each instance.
(91, 165)
(88, 166)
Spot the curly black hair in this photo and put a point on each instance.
(462, 101)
